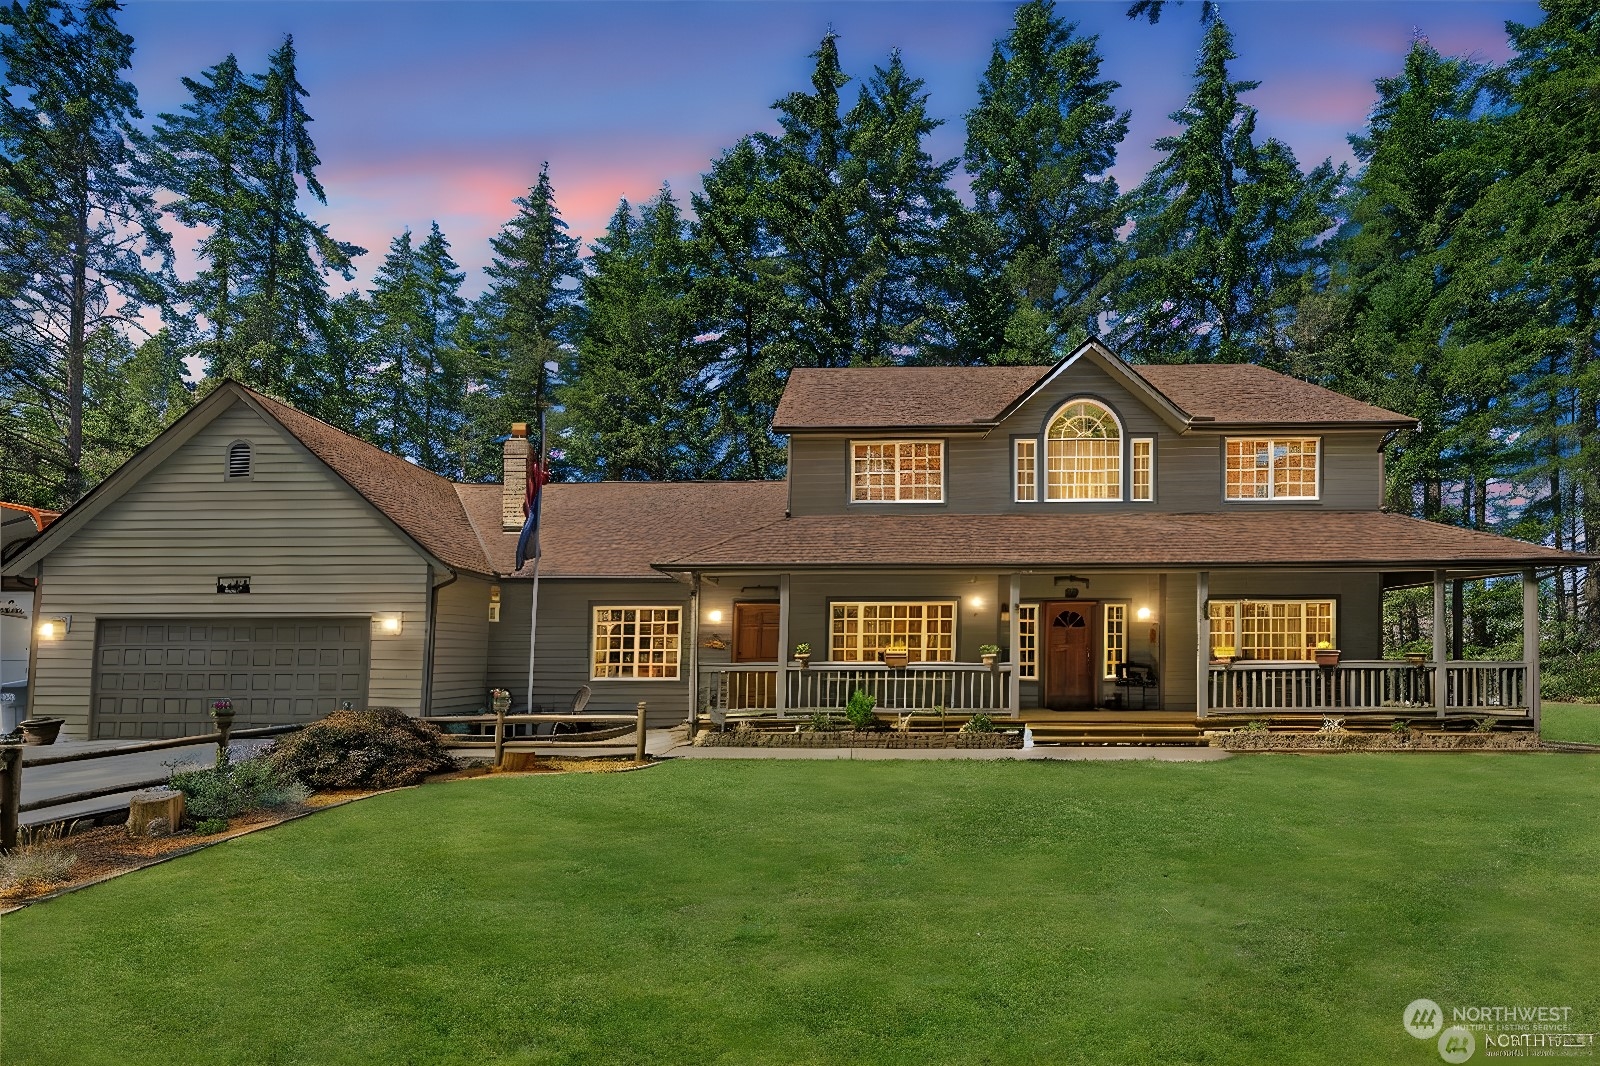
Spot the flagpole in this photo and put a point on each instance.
(533, 608)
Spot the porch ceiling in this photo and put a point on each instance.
(1301, 539)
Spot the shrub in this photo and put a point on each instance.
(207, 826)
(1400, 727)
(377, 748)
(858, 711)
(229, 788)
(979, 723)
(822, 721)
(43, 860)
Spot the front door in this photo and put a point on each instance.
(755, 640)
(1069, 673)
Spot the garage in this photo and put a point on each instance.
(156, 677)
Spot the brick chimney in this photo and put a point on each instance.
(514, 480)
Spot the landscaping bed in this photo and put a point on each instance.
(851, 738)
(1258, 740)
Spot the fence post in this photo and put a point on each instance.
(10, 793)
(638, 748)
(499, 735)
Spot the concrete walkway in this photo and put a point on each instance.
(43, 782)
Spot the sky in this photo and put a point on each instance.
(432, 110)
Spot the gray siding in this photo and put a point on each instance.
(978, 472)
(461, 647)
(309, 543)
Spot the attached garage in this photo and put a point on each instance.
(156, 677)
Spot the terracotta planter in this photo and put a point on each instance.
(992, 661)
(803, 660)
(1326, 657)
(896, 660)
(41, 730)
(1416, 659)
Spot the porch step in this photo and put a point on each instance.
(1084, 740)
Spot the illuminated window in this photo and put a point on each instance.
(897, 471)
(1272, 469)
(636, 642)
(861, 630)
(1144, 483)
(1027, 490)
(1116, 642)
(1028, 641)
(1271, 629)
(1083, 454)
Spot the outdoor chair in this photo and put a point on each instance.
(1140, 676)
(580, 700)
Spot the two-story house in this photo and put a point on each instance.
(1210, 525)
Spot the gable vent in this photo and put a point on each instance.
(239, 459)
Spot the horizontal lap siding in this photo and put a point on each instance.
(461, 647)
(562, 652)
(309, 544)
(979, 476)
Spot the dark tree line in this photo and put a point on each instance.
(1452, 275)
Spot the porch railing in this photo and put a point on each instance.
(828, 686)
(1377, 687)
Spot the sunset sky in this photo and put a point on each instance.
(445, 110)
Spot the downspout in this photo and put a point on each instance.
(427, 639)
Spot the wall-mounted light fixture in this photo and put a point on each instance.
(1005, 614)
(389, 625)
(1143, 614)
(55, 628)
(975, 602)
(713, 617)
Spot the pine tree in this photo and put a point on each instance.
(634, 406)
(133, 393)
(81, 250)
(1224, 232)
(440, 382)
(522, 326)
(1040, 146)
(394, 349)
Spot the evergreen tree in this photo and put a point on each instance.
(634, 407)
(133, 393)
(1224, 232)
(394, 349)
(80, 247)
(740, 300)
(522, 326)
(1040, 146)
(441, 372)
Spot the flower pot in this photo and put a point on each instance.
(1326, 657)
(501, 704)
(896, 660)
(992, 661)
(803, 660)
(1416, 659)
(41, 730)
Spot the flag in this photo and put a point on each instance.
(537, 476)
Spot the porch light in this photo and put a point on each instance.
(713, 616)
(975, 602)
(55, 628)
(1143, 614)
(390, 624)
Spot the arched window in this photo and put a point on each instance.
(1083, 453)
(238, 460)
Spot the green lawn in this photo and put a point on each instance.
(1264, 909)
(1571, 721)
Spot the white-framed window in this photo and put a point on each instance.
(859, 630)
(1143, 474)
(240, 461)
(1083, 453)
(1028, 641)
(1026, 469)
(636, 643)
(1282, 630)
(1116, 638)
(1272, 468)
(897, 471)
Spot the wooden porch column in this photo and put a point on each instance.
(1530, 642)
(1441, 652)
(780, 697)
(694, 654)
(1202, 644)
(1458, 618)
(1014, 684)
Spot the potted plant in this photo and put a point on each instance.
(1326, 654)
(1416, 659)
(500, 700)
(991, 655)
(802, 655)
(1224, 654)
(41, 730)
(222, 711)
(895, 656)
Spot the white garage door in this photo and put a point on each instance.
(157, 677)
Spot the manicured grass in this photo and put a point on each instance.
(1264, 909)
(1578, 722)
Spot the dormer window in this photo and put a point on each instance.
(897, 471)
(1083, 453)
(239, 461)
(1275, 468)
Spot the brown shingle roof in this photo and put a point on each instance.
(1315, 539)
(1243, 392)
(940, 397)
(420, 502)
(618, 528)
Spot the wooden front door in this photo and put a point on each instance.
(755, 640)
(1069, 672)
